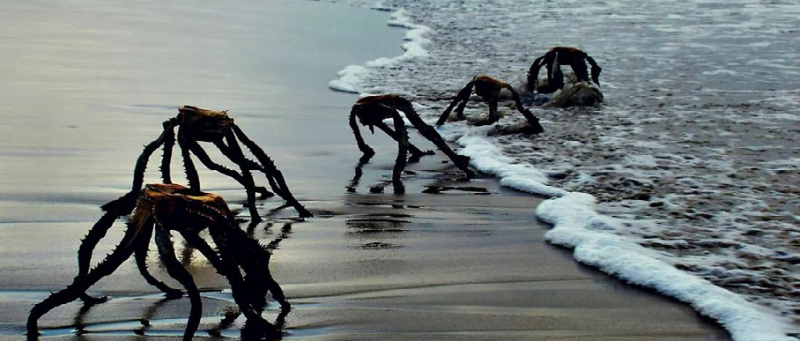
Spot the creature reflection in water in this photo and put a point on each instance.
(164, 208)
(398, 186)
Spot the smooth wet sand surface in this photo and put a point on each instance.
(85, 86)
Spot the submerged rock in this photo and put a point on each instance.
(573, 94)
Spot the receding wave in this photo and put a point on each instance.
(684, 181)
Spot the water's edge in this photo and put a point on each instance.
(576, 222)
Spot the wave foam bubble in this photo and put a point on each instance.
(578, 225)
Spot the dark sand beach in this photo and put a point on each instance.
(85, 85)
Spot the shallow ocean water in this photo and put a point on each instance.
(696, 151)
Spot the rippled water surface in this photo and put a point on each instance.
(697, 148)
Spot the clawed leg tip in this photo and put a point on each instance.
(33, 334)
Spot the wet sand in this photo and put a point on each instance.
(84, 87)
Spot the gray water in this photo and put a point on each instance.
(85, 84)
(696, 149)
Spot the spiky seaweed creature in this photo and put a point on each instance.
(488, 89)
(372, 110)
(163, 208)
(201, 125)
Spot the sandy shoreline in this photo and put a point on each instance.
(451, 266)
(412, 267)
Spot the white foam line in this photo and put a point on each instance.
(577, 225)
(351, 78)
(576, 222)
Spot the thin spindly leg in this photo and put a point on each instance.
(460, 109)
(596, 69)
(415, 152)
(402, 147)
(533, 74)
(224, 266)
(557, 77)
(245, 179)
(461, 99)
(362, 146)
(169, 144)
(141, 163)
(141, 262)
(278, 183)
(178, 272)
(97, 232)
(237, 156)
(462, 162)
(246, 163)
(254, 259)
(229, 269)
(254, 300)
(81, 283)
(534, 127)
(206, 160)
(443, 118)
(127, 202)
(493, 115)
(188, 164)
(581, 72)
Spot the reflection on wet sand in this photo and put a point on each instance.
(397, 184)
(378, 231)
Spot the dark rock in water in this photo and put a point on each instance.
(576, 94)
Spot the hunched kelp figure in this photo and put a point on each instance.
(201, 125)
(372, 110)
(162, 208)
(561, 55)
(489, 89)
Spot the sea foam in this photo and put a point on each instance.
(352, 78)
(622, 148)
(578, 225)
